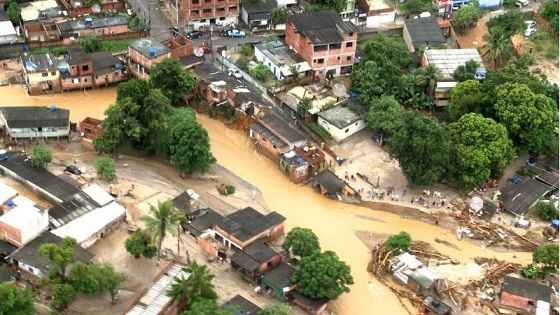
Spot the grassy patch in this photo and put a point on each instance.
(319, 131)
(545, 44)
(113, 46)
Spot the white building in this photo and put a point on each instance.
(6, 193)
(280, 59)
(340, 122)
(448, 60)
(23, 223)
(8, 33)
(35, 122)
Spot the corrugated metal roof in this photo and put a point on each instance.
(448, 60)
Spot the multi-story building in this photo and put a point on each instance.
(89, 70)
(326, 42)
(41, 74)
(203, 13)
(144, 53)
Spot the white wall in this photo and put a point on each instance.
(341, 134)
(35, 133)
(268, 63)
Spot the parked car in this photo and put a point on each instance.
(194, 35)
(73, 169)
(530, 28)
(235, 73)
(522, 3)
(235, 34)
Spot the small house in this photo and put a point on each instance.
(524, 296)
(90, 128)
(311, 306)
(278, 281)
(107, 69)
(239, 305)
(31, 262)
(88, 26)
(201, 227)
(40, 73)
(422, 32)
(23, 222)
(340, 122)
(254, 260)
(257, 14)
(330, 185)
(34, 122)
(213, 84)
(274, 135)
(143, 54)
(8, 33)
(282, 62)
(301, 163)
(518, 198)
(186, 202)
(448, 60)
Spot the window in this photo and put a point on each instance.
(53, 73)
(194, 12)
(348, 58)
(321, 60)
(194, 1)
(351, 34)
(349, 44)
(338, 58)
(207, 11)
(223, 18)
(45, 74)
(203, 21)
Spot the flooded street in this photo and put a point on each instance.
(335, 223)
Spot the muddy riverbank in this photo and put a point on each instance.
(334, 222)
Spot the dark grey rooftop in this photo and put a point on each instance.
(241, 306)
(29, 253)
(252, 256)
(340, 116)
(72, 209)
(321, 27)
(281, 276)
(527, 288)
(20, 164)
(104, 62)
(281, 128)
(330, 182)
(259, 6)
(40, 63)
(424, 31)
(247, 223)
(518, 198)
(204, 219)
(35, 116)
(6, 248)
(149, 48)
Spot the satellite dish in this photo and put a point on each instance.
(199, 52)
(339, 90)
(476, 203)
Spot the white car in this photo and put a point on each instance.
(235, 73)
(522, 3)
(530, 28)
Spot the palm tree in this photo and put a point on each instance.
(196, 285)
(162, 219)
(431, 74)
(497, 46)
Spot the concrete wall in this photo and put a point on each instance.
(109, 78)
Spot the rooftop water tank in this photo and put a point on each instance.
(152, 52)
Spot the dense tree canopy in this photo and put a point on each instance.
(530, 118)
(15, 301)
(41, 156)
(466, 17)
(466, 72)
(322, 276)
(422, 147)
(400, 242)
(105, 168)
(385, 115)
(60, 257)
(468, 97)
(480, 149)
(90, 44)
(547, 256)
(509, 23)
(549, 11)
(275, 309)
(139, 244)
(172, 79)
(188, 142)
(301, 242)
(207, 307)
(186, 291)
(372, 80)
(417, 6)
(387, 49)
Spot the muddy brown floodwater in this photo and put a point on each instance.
(335, 223)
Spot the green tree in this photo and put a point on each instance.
(15, 301)
(417, 6)
(41, 156)
(63, 295)
(135, 89)
(60, 257)
(110, 280)
(509, 23)
(279, 16)
(530, 118)
(467, 97)
(85, 279)
(303, 106)
(90, 44)
(385, 114)
(547, 211)
(497, 46)
(370, 80)
(466, 72)
(162, 219)
(322, 275)
(301, 242)
(480, 150)
(172, 79)
(13, 12)
(466, 17)
(422, 147)
(275, 309)
(139, 244)
(186, 291)
(383, 49)
(105, 168)
(400, 242)
(188, 143)
(549, 10)
(531, 271)
(207, 307)
(260, 72)
(547, 256)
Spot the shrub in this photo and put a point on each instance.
(90, 44)
(63, 295)
(247, 50)
(105, 168)
(547, 211)
(139, 244)
(531, 271)
(260, 72)
(41, 156)
(401, 242)
(547, 255)
(319, 131)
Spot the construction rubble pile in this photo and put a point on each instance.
(475, 293)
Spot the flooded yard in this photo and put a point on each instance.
(337, 224)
